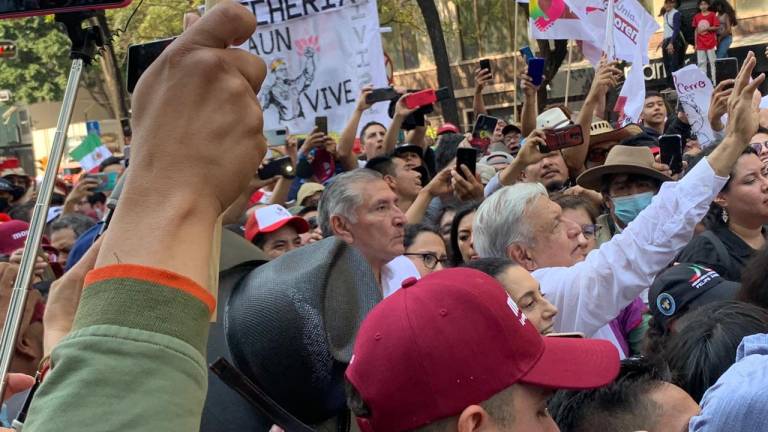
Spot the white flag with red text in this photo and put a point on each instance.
(629, 105)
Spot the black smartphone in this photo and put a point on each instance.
(281, 166)
(140, 57)
(485, 64)
(726, 68)
(671, 152)
(536, 70)
(321, 123)
(381, 95)
(466, 157)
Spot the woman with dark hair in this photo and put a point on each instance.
(425, 248)
(727, 16)
(462, 249)
(754, 280)
(735, 221)
(522, 288)
(703, 348)
(443, 219)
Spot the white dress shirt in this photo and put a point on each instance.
(395, 272)
(593, 292)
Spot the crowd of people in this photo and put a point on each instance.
(397, 288)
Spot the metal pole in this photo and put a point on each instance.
(568, 73)
(37, 224)
(514, 57)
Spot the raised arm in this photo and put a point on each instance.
(401, 112)
(604, 80)
(482, 78)
(347, 138)
(530, 104)
(148, 289)
(594, 291)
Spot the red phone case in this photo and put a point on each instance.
(420, 99)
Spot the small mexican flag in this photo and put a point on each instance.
(90, 153)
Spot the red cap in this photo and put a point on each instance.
(455, 339)
(448, 127)
(270, 219)
(13, 235)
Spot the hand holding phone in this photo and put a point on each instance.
(725, 69)
(141, 57)
(526, 53)
(381, 95)
(486, 64)
(466, 157)
(564, 137)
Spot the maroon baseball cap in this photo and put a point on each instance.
(13, 235)
(455, 339)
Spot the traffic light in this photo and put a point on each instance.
(7, 49)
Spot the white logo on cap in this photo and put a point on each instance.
(512, 305)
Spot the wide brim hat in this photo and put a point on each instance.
(622, 160)
(601, 131)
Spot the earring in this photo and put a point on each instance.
(725, 216)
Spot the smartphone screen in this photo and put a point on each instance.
(568, 136)
(726, 68)
(276, 137)
(140, 57)
(466, 157)
(321, 123)
(485, 64)
(536, 70)
(671, 152)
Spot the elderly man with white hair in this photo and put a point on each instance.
(521, 222)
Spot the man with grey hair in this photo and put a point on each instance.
(521, 222)
(361, 209)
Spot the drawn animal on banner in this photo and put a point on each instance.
(281, 92)
(696, 118)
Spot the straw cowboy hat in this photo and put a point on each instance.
(602, 131)
(622, 160)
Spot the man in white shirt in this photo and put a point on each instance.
(522, 223)
(361, 209)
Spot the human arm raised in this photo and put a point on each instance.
(401, 112)
(530, 104)
(482, 78)
(347, 137)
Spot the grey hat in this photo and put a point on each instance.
(291, 325)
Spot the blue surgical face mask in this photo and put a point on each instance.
(627, 208)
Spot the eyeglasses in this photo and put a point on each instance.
(589, 231)
(430, 260)
(759, 146)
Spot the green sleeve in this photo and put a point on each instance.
(134, 362)
(636, 337)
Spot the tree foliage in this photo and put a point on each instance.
(39, 73)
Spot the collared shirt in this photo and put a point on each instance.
(739, 399)
(701, 250)
(594, 291)
(395, 272)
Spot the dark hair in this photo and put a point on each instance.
(676, 2)
(76, 222)
(22, 212)
(367, 125)
(714, 217)
(305, 210)
(754, 280)
(384, 165)
(605, 184)
(436, 216)
(112, 160)
(652, 93)
(97, 198)
(761, 130)
(491, 266)
(576, 202)
(704, 1)
(703, 348)
(623, 405)
(461, 213)
(723, 7)
(447, 147)
(413, 230)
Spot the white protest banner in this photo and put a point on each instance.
(319, 54)
(631, 32)
(631, 99)
(694, 91)
(554, 19)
